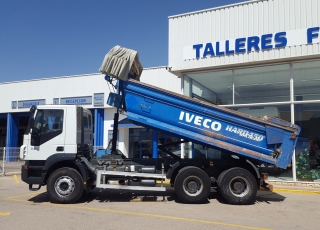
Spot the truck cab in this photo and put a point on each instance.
(55, 133)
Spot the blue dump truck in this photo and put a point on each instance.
(71, 172)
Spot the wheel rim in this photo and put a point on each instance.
(192, 185)
(239, 186)
(64, 186)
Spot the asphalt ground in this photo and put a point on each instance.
(9, 168)
(286, 208)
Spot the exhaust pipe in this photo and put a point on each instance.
(91, 168)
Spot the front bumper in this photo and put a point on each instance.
(32, 175)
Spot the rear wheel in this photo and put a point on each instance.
(65, 185)
(237, 186)
(192, 185)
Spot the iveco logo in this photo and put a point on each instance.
(200, 121)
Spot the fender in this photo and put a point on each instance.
(84, 172)
(58, 157)
(255, 168)
(172, 169)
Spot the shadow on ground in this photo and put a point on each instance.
(103, 195)
(261, 197)
(268, 197)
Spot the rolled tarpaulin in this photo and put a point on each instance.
(120, 62)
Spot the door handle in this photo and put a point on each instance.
(60, 149)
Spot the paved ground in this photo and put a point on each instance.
(283, 209)
(10, 167)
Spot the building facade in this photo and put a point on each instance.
(260, 58)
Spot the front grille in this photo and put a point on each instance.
(35, 173)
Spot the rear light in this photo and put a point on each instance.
(264, 176)
(25, 167)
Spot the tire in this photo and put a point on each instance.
(192, 185)
(65, 186)
(237, 186)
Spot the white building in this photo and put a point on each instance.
(90, 90)
(258, 57)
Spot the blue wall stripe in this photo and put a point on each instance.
(12, 136)
(98, 127)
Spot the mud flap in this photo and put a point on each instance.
(265, 186)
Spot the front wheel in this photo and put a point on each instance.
(237, 186)
(65, 186)
(192, 185)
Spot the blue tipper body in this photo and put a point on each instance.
(268, 140)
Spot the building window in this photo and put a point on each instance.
(215, 87)
(306, 76)
(262, 84)
(307, 151)
(140, 143)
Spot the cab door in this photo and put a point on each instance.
(47, 135)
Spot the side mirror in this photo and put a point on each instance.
(31, 124)
(33, 110)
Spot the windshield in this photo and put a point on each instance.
(48, 120)
(48, 124)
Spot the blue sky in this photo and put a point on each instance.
(43, 39)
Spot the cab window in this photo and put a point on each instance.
(47, 125)
(87, 121)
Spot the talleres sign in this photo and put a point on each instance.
(252, 43)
